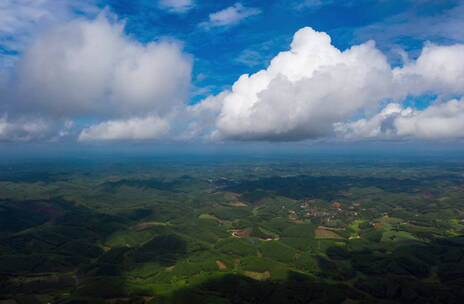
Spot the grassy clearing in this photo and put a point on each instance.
(128, 238)
(326, 234)
(146, 225)
(395, 236)
(355, 225)
(258, 275)
(210, 217)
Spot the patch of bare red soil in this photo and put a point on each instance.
(221, 265)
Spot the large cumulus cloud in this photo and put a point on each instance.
(90, 69)
(311, 87)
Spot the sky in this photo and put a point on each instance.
(204, 72)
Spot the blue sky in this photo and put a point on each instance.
(224, 53)
(217, 51)
(214, 43)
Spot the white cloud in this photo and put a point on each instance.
(176, 6)
(24, 129)
(200, 118)
(438, 121)
(438, 69)
(309, 88)
(304, 91)
(147, 128)
(15, 15)
(91, 68)
(230, 16)
(380, 126)
(20, 19)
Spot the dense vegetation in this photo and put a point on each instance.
(241, 231)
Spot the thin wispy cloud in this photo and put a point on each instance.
(312, 3)
(250, 58)
(230, 16)
(447, 26)
(176, 6)
(260, 54)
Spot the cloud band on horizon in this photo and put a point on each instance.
(89, 69)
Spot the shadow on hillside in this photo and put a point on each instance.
(325, 187)
(235, 289)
